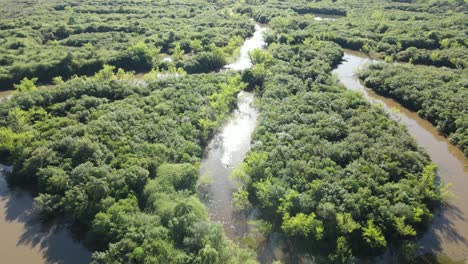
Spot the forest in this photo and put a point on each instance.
(118, 156)
(79, 37)
(440, 95)
(329, 170)
(119, 160)
(422, 32)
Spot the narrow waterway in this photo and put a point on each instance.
(225, 151)
(5, 95)
(255, 42)
(228, 148)
(448, 234)
(23, 239)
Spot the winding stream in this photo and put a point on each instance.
(24, 240)
(448, 234)
(225, 151)
(228, 148)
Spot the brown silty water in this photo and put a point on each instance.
(23, 239)
(448, 233)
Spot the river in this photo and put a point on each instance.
(5, 94)
(26, 240)
(448, 234)
(255, 42)
(228, 148)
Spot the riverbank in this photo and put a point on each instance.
(26, 240)
(448, 234)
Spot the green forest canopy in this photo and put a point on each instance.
(46, 39)
(119, 158)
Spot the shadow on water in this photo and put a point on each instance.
(448, 232)
(24, 239)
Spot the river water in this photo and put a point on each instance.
(5, 94)
(448, 234)
(255, 42)
(26, 240)
(228, 149)
(23, 239)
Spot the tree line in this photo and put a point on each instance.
(439, 95)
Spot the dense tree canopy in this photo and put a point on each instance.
(327, 168)
(119, 160)
(438, 94)
(423, 32)
(45, 39)
(118, 157)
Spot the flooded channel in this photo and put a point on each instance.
(5, 95)
(26, 240)
(228, 148)
(448, 234)
(225, 151)
(23, 239)
(255, 42)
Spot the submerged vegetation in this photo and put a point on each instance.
(119, 157)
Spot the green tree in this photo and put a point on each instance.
(26, 85)
(208, 255)
(373, 236)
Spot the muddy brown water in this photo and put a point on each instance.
(448, 234)
(23, 239)
(5, 94)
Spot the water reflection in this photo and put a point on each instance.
(255, 42)
(225, 151)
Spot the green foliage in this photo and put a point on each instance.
(208, 255)
(303, 225)
(328, 169)
(119, 160)
(373, 235)
(259, 56)
(26, 85)
(206, 61)
(179, 176)
(343, 253)
(79, 37)
(440, 95)
(425, 32)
